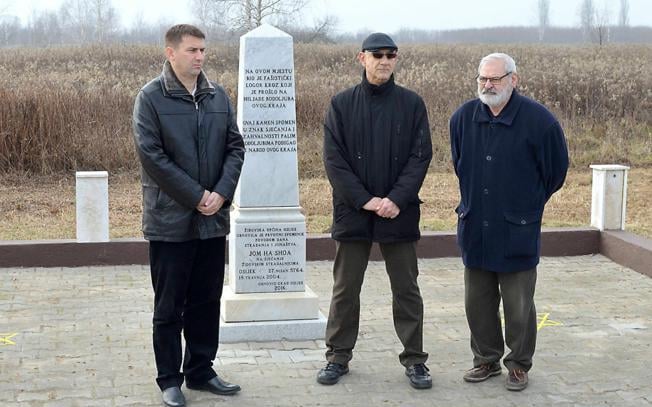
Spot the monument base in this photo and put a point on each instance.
(267, 331)
(250, 307)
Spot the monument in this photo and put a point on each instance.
(266, 298)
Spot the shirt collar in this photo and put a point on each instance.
(377, 89)
(483, 114)
(174, 86)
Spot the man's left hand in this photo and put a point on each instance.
(212, 205)
(387, 209)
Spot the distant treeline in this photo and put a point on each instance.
(528, 35)
(50, 29)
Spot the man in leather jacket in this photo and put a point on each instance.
(191, 153)
(377, 149)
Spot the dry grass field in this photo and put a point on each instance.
(67, 109)
(43, 207)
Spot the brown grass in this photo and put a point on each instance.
(43, 207)
(66, 109)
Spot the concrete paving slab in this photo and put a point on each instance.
(81, 337)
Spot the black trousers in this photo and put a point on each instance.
(483, 292)
(187, 278)
(350, 264)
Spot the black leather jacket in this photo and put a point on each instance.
(186, 145)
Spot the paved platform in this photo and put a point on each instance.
(81, 337)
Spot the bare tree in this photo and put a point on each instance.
(587, 18)
(245, 15)
(322, 30)
(623, 18)
(89, 20)
(543, 12)
(105, 18)
(601, 29)
(9, 29)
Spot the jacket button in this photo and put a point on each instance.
(523, 222)
(488, 158)
(486, 191)
(485, 223)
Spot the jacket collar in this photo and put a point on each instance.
(173, 86)
(377, 89)
(482, 113)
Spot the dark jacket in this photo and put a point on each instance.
(508, 167)
(376, 144)
(186, 145)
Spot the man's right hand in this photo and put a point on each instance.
(204, 198)
(373, 205)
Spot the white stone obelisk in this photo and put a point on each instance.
(266, 298)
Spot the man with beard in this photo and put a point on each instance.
(510, 156)
(376, 151)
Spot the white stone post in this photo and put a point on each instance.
(609, 197)
(92, 206)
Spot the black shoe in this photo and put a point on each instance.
(419, 376)
(331, 373)
(216, 386)
(172, 397)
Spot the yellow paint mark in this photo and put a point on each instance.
(544, 321)
(5, 339)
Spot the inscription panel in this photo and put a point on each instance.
(270, 257)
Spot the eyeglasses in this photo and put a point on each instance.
(380, 55)
(494, 81)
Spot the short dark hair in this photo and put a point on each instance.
(175, 34)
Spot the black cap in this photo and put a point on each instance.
(377, 41)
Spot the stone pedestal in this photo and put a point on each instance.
(609, 197)
(266, 299)
(92, 200)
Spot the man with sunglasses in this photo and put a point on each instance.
(377, 150)
(510, 156)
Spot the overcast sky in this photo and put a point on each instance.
(381, 15)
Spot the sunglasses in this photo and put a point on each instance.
(380, 55)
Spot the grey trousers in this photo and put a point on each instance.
(350, 264)
(483, 292)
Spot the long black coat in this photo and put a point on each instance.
(186, 145)
(376, 144)
(508, 167)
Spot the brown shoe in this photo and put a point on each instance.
(516, 380)
(482, 372)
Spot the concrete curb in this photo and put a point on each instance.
(69, 253)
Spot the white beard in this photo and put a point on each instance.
(495, 99)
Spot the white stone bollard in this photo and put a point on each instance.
(609, 197)
(92, 206)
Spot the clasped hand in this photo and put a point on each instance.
(210, 203)
(382, 207)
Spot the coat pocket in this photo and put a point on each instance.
(462, 222)
(164, 200)
(522, 233)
